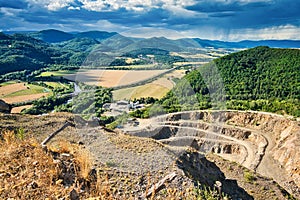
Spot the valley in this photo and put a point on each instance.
(149, 118)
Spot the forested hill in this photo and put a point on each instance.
(20, 52)
(260, 78)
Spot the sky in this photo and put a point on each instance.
(228, 20)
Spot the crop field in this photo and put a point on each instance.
(156, 89)
(23, 98)
(55, 84)
(20, 92)
(113, 78)
(147, 66)
(20, 108)
(10, 88)
(148, 90)
(8, 83)
(57, 73)
(189, 63)
(29, 89)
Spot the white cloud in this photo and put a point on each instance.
(274, 32)
(103, 25)
(74, 8)
(110, 5)
(58, 4)
(51, 5)
(9, 12)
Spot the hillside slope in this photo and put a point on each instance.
(118, 166)
(261, 78)
(19, 52)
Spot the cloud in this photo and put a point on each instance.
(219, 19)
(16, 4)
(274, 32)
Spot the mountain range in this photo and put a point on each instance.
(56, 36)
(35, 50)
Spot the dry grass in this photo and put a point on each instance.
(23, 98)
(148, 90)
(20, 108)
(156, 89)
(11, 88)
(112, 78)
(29, 172)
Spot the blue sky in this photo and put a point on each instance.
(229, 20)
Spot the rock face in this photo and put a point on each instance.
(264, 142)
(4, 107)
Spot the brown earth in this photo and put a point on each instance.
(263, 142)
(8, 89)
(20, 108)
(131, 163)
(23, 98)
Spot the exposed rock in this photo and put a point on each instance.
(5, 107)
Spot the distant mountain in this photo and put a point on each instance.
(20, 32)
(118, 42)
(203, 43)
(56, 36)
(97, 35)
(52, 36)
(114, 40)
(160, 43)
(248, 43)
(79, 44)
(271, 43)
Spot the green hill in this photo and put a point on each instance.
(19, 52)
(97, 35)
(261, 78)
(52, 36)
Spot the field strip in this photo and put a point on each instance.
(24, 98)
(20, 108)
(11, 88)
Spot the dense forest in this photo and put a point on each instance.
(261, 78)
(20, 52)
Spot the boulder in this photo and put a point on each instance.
(5, 107)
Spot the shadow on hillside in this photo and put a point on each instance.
(201, 170)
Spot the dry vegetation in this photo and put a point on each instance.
(22, 98)
(148, 90)
(112, 78)
(20, 108)
(20, 92)
(11, 88)
(156, 89)
(67, 170)
(28, 171)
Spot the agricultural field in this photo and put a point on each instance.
(156, 89)
(146, 66)
(55, 85)
(57, 73)
(21, 92)
(113, 78)
(20, 108)
(10, 88)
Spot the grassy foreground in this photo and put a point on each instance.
(28, 171)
